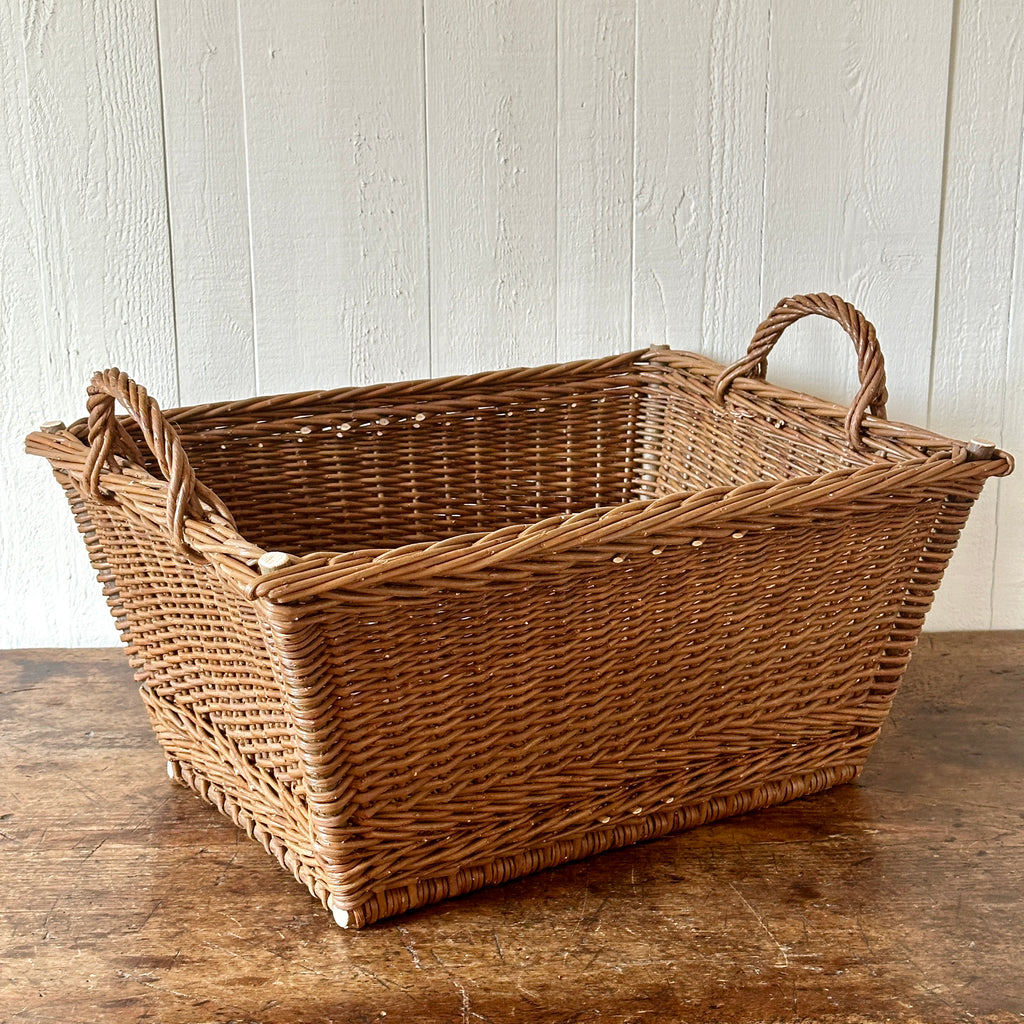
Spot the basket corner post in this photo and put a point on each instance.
(305, 671)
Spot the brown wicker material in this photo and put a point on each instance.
(526, 615)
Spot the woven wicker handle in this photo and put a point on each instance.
(870, 364)
(185, 494)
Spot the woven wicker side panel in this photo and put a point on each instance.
(481, 725)
(439, 467)
(190, 638)
(202, 756)
(640, 828)
(698, 444)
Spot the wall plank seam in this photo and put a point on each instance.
(428, 246)
(556, 146)
(762, 308)
(161, 94)
(946, 137)
(257, 378)
(36, 186)
(633, 190)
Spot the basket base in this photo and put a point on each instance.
(654, 826)
(504, 869)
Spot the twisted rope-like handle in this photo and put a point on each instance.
(185, 494)
(870, 364)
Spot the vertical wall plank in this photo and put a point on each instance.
(33, 591)
(972, 388)
(596, 57)
(701, 95)
(1008, 572)
(334, 111)
(91, 130)
(491, 123)
(204, 131)
(94, 108)
(853, 179)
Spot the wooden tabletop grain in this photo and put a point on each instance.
(123, 898)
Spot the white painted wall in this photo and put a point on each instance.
(228, 198)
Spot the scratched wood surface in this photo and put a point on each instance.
(123, 898)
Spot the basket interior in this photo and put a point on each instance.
(357, 473)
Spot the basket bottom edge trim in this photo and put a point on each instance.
(390, 902)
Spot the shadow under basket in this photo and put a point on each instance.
(425, 637)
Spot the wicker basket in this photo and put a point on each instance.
(515, 618)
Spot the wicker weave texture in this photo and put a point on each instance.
(526, 616)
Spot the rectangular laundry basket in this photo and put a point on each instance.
(424, 637)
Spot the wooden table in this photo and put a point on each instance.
(124, 898)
